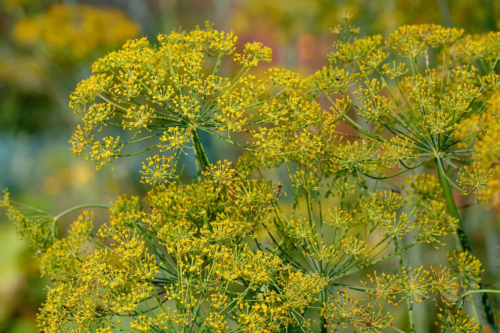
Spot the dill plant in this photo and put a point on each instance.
(429, 95)
(225, 252)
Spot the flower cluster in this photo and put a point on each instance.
(231, 251)
(428, 93)
(173, 90)
(191, 245)
(434, 101)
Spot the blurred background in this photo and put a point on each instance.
(48, 46)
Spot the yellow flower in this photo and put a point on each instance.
(158, 170)
(253, 53)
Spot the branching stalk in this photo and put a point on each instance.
(463, 244)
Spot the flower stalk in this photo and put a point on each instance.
(463, 244)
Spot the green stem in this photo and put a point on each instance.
(225, 139)
(120, 328)
(323, 323)
(200, 152)
(372, 263)
(142, 139)
(409, 304)
(66, 212)
(476, 291)
(217, 65)
(113, 103)
(138, 152)
(462, 241)
(358, 288)
(463, 244)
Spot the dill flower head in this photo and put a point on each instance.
(173, 90)
(457, 321)
(468, 268)
(435, 222)
(425, 100)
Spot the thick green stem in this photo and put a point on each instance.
(463, 244)
(462, 241)
(200, 152)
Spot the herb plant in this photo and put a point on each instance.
(231, 250)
